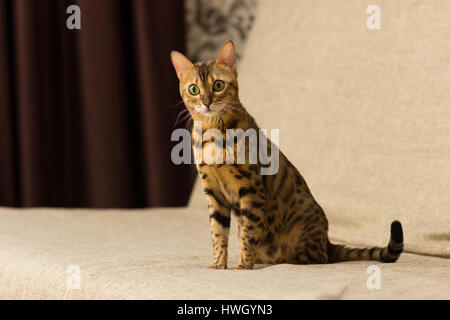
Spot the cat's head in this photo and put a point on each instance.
(209, 89)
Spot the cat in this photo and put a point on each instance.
(279, 221)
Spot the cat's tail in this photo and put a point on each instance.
(337, 253)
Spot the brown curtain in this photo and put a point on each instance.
(86, 115)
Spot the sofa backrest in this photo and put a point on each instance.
(363, 114)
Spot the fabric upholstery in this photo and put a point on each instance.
(164, 254)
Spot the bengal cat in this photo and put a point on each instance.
(279, 221)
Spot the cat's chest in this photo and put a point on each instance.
(212, 148)
(220, 178)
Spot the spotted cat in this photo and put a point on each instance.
(279, 220)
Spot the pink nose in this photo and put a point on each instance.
(207, 103)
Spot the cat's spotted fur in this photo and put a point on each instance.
(279, 220)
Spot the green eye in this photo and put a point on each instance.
(194, 90)
(218, 85)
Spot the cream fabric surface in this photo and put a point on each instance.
(164, 254)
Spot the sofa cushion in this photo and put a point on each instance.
(164, 254)
(364, 114)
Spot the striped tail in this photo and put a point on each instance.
(338, 253)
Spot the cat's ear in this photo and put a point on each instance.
(180, 63)
(227, 56)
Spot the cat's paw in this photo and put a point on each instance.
(242, 267)
(217, 266)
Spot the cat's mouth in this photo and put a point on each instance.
(205, 110)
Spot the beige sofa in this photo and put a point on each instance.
(364, 114)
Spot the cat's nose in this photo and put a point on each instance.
(207, 102)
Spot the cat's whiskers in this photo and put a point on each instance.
(230, 106)
(182, 112)
(185, 117)
(178, 103)
(190, 120)
(232, 114)
(232, 110)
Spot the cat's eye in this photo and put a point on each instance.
(194, 90)
(218, 85)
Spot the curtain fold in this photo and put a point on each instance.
(86, 115)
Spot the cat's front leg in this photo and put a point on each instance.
(251, 223)
(219, 216)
